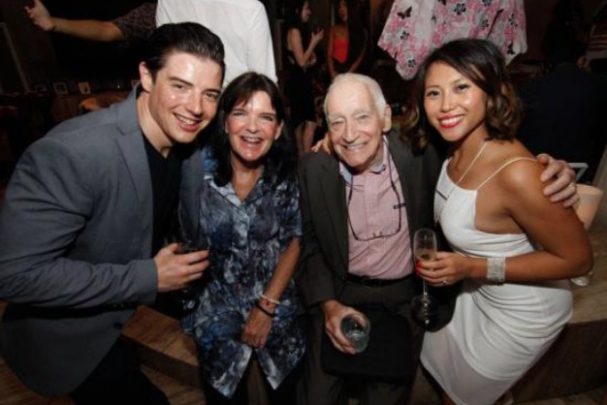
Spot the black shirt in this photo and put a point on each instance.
(166, 176)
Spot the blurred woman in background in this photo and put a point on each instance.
(301, 46)
(347, 45)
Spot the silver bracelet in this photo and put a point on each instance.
(269, 299)
(496, 269)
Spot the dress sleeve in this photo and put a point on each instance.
(416, 27)
(290, 217)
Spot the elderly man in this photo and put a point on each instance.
(360, 208)
(81, 230)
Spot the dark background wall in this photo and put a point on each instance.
(47, 58)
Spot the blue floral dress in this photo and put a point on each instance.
(246, 239)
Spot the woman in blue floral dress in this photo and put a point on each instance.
(246, 318)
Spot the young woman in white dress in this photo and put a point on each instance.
(512, 247)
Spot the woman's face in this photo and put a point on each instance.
(252, 128)
(306, 12)
(342, 11)
(454, 105)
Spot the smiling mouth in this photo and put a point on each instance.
(450, 122)
(254, 140)
(354, 147)
(190, 122)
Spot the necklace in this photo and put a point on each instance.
(474, 159)
(437, 215)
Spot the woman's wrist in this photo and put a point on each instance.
(270, 301)
(266, 311)
(496, 269)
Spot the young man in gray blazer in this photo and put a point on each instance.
(81, 227)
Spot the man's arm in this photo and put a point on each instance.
(314, 277)
(48, 204)
(93, 30)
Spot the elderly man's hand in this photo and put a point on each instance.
(334, 313)
(561, 178)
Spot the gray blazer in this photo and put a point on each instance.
(75, 247)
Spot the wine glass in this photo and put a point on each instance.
(424, 306)
(188, 295)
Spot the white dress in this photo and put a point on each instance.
(498, 331)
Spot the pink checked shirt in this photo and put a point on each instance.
(415, 27)
(373, 210)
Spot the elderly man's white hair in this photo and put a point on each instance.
(371, 84)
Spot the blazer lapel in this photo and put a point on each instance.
(406, 167)
(131, 144)
(334, 195)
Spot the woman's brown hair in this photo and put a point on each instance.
(481, 62)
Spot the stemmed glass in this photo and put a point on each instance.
(187, 296)
(424, 306)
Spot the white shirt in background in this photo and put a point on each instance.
(242, 26)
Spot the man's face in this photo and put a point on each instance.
(181, 100)
(356, 125)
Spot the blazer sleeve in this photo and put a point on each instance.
(314, 277)
(49, 201)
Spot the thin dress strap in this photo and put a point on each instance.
(499, 169)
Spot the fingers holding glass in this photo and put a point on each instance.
(424, 306)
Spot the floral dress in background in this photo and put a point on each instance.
(416, 27)
(246, 239)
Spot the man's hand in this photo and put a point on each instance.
(176, 270)
(334, 313)
(40, 16)
(562, 180)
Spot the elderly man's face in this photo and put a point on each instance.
(356, 125)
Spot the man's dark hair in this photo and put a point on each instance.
(186, 37)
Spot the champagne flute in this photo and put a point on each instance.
(425, 307)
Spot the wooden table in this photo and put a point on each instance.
(578, 359)
(576, 362)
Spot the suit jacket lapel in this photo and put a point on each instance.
(334, 195)
(406, 166)
(132, 146)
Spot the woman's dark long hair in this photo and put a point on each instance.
(481, 62)
(293, 20)
(281, 160)
(357, 35)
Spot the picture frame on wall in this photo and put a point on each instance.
(84, 87)
(60, 88)
(40, 88)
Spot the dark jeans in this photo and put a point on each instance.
(118, 380)
(285, 393)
